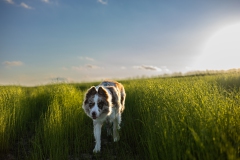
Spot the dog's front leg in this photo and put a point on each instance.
(116, 136)
(97, 135)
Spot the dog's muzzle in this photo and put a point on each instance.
(94, 115)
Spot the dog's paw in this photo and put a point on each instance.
(116, 137)
(97, 149)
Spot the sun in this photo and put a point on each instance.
(222, 50)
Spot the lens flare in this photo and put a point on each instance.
(222, 50)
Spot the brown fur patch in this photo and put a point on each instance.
(103, 100)
(118, 93)
(114, 95)
(91, 92)
(102, 92)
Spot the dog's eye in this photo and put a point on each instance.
(100, 105)
(91, 104)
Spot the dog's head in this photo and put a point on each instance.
(97, 103)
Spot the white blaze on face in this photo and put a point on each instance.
(95, 110)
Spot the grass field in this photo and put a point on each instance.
(193, 117)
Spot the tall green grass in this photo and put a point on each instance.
(165, 118)
(187, 118)
(61, 129)
(13, 115)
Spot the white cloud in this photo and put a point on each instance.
(86, 58)
(10, 1)
(50, 2)
(24, 5)
(46, 1)
(93, 66)
(165, 69)
(12, 63)
(147, 67)
(103, 2)
(90, 59)
(86, 67)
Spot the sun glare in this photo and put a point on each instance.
(222, 50)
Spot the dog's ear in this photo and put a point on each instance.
(102, 92)
(91, 92)
(114, 95)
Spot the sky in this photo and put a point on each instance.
(44, 41)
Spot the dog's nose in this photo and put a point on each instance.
(94, 115)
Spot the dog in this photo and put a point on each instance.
(105, 103)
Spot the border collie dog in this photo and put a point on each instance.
(105, 102)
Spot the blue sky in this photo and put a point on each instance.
(88, 40)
